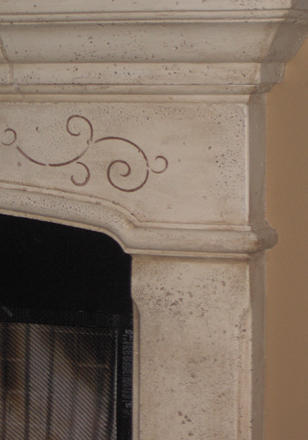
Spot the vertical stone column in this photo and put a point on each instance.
(201, 347)
(146, 120)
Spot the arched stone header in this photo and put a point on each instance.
(135, 239)
(171, 186)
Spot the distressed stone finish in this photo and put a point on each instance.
(147, 121)
(198, 356)
(195, 153)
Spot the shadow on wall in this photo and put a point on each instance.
(287, 273)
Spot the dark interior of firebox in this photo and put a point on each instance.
(66, 333)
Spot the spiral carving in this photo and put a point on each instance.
(125, 175)
(87, 178)
(165, 165)
(112, 168)
(10, 130)
(78, 134)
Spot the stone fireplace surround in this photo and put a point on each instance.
(146, 121)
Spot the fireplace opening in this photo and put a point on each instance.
(66, 333)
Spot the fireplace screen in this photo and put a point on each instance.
(64, 382)
(66, 372)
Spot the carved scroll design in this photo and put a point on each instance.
(12, 139)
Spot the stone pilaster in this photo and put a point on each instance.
(146, 120)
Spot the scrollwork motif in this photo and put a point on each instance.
(112, 166)
(10, 130)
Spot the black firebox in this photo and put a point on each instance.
(66, 333)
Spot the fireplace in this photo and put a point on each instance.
(147, 122)
(66, 333)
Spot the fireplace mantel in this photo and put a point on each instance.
(197, 48)
(147, 120)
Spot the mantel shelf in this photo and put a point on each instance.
(146, 120)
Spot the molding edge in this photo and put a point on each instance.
(139, 78)
(103, 217)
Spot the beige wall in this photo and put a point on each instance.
(287, 268)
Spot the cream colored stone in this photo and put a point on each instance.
(77, 6)
(128, 78)
(201, 356)
(147, 42)
(198, 150)
(146, 120)
(94, 214)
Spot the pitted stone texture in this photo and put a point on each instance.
(219, 31)
(66, 6)
(124, 42)
(196, 348)
(201, 149)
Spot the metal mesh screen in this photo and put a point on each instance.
(58, 382)
(66, 333)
